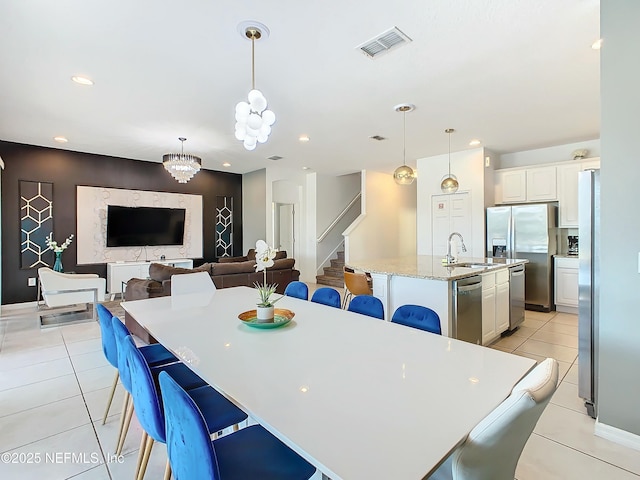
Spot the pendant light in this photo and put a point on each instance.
(181, 166)
(404, 175)
(253, 120)
(449, 182)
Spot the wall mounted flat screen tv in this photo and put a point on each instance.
(144, 226)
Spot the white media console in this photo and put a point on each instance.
(119, 273)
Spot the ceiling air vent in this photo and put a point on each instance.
(377, 137)
(384, 42)
(274, 157)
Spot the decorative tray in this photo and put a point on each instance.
(281, 316)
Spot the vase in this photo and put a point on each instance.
(57, 265)
(264, 314)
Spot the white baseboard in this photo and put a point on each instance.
(565, 309)
(19, 306)
(616, 435)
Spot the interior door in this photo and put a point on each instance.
(451, 213)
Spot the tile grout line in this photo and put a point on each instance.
(84, 400)
(587, 454)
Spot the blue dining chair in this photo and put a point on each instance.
(419, 317)
(298, 290)
(367, 305)
(154, 354)
(151, 354)
(220, 413)
(326, 296)
(250, 453)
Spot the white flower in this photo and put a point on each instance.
(264, 256)
(53, 245)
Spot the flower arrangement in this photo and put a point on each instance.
(53, 245)
(264, 259)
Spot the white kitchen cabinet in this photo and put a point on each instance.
(495, 305)
(566, 284)
(541, 184)
(568, 191)
(119, 273)
(511, 186)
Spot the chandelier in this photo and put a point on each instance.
(449, 182)
(253, 120)
(404, 175)
(181, 167)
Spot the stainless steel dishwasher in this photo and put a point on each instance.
(516, 297)
(467, 309)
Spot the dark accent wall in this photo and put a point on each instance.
(66, 170)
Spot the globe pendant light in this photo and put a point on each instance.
(181, 167)
(253, 120)
(404, 175)
(449, 182)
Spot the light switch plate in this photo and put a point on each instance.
(31, 282)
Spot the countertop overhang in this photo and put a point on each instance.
(430, 267)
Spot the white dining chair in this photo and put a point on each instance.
(493, 448)
(190, 283)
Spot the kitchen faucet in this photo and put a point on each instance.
(450, 258)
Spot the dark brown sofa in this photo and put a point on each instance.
(234, 272)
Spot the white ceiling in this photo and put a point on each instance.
(516, 74)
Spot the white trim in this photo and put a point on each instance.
(18, 306)
(616, 435)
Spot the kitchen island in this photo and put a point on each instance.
(449, 290)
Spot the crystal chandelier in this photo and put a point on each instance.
(404, 175)
(182, 167)
(449, 182)
(253, 120)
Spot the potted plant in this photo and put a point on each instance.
(264, 259)
(58, 249)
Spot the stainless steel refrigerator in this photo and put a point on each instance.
(528, 232)
(588, 290)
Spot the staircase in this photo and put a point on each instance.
(333, 275)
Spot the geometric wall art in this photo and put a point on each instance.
(36, 223)
(224, 226)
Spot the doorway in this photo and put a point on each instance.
(284, 227)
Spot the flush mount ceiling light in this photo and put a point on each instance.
(82, 80)
(404, 175)
(181, 167)
(253, 120)
(449, 182)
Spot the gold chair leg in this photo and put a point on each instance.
(167, 471)
(124, 426)
(145, 458)
(143, 447)
(113, 390)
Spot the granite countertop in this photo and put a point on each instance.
(430, 267)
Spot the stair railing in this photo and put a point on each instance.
(332, 254)
(339, 217)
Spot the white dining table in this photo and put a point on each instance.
(358, 397)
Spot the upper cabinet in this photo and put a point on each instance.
(568, 191)
(519, 185)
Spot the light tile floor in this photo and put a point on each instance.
(54, 384)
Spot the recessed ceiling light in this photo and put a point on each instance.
(597, 45)
(305, 168)
(226, 164)
(60, 139)
(474, 142)
(82, 80)
(303, 138)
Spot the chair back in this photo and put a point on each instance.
(144, 393)
(357, 283)
(109, 346)
(189, 446)
(297, 289)
(326, 296)
(367, 305)
(419, 317)
(190, 283)
(492, 449)
(120, 333)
